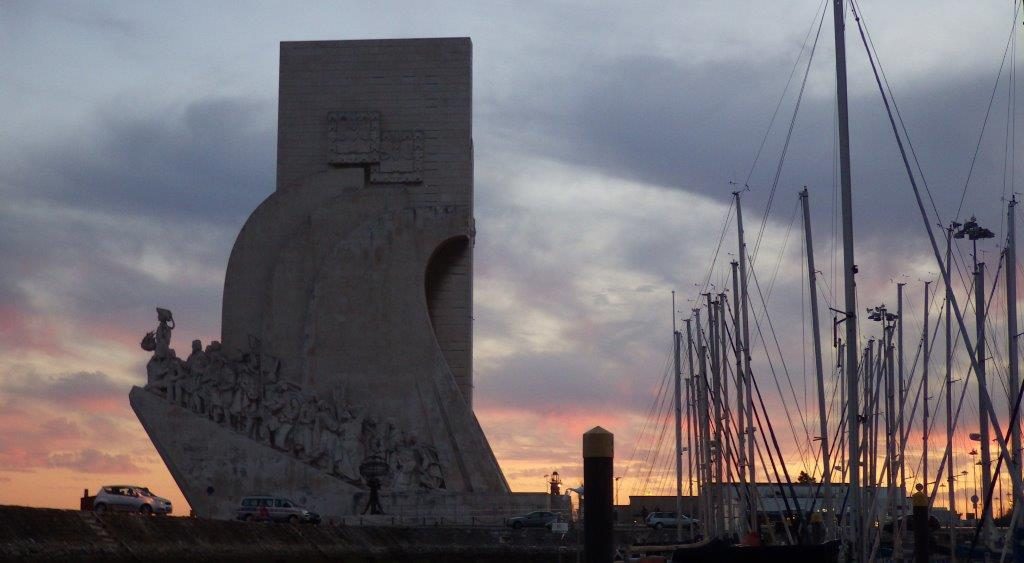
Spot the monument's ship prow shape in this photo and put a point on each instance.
(345, 369)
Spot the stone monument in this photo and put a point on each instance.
(345, 364)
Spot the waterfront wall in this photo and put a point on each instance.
(36, 534)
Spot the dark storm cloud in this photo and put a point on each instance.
(210, 162)
(696, 126)
(131, 211)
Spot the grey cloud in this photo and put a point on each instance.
(597, 372)
(85, 214)
(209, 162)
(90, 460)
(696, 127)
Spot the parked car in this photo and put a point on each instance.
(130, 498)
(659, 520)
(274, 509)
(537, 519)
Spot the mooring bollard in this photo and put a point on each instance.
(922, 535)
(598, 453)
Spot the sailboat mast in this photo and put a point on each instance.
(902, 396)
(891, 427)
(697, 443)
(950, 479)
(924, 391)
(728, 509)
(676, 336)
(983, 396)
(826, 464)
(716, 396)
(870, 408)
(746, 374)
(690, 433)
(741, 434)
(850, 293)
(1011, 327)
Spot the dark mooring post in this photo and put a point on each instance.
(598, 453)
(922, 534)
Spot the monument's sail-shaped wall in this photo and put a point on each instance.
(347, 319)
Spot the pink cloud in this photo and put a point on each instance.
(93, 392)
(91, 460)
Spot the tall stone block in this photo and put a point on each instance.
(347, 314)
(385, 118)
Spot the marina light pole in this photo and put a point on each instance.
(975, 232)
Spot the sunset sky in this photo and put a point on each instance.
(140, 136)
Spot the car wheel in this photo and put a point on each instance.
(293, 519)
(146, 509)
(659, 526)
(247, 518)
(99, 508)
(516, 525)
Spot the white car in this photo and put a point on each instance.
(658, 520)
(130, 498)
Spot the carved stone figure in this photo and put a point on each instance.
(351, 431)
(328, 441)
(159, 369)
(405, 465)
(163, 333)
(303, 432)
(432, 476)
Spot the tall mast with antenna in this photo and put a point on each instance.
(826, 464)
(950, 480)
(850, 292)
(1011, 327)
(746, 375)
(741, 425)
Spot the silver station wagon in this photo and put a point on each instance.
(274, 509)
(130, 498)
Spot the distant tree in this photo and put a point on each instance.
(805, 479)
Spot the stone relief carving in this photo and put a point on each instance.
(250, 397)
(356, 138)
(401, 158)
